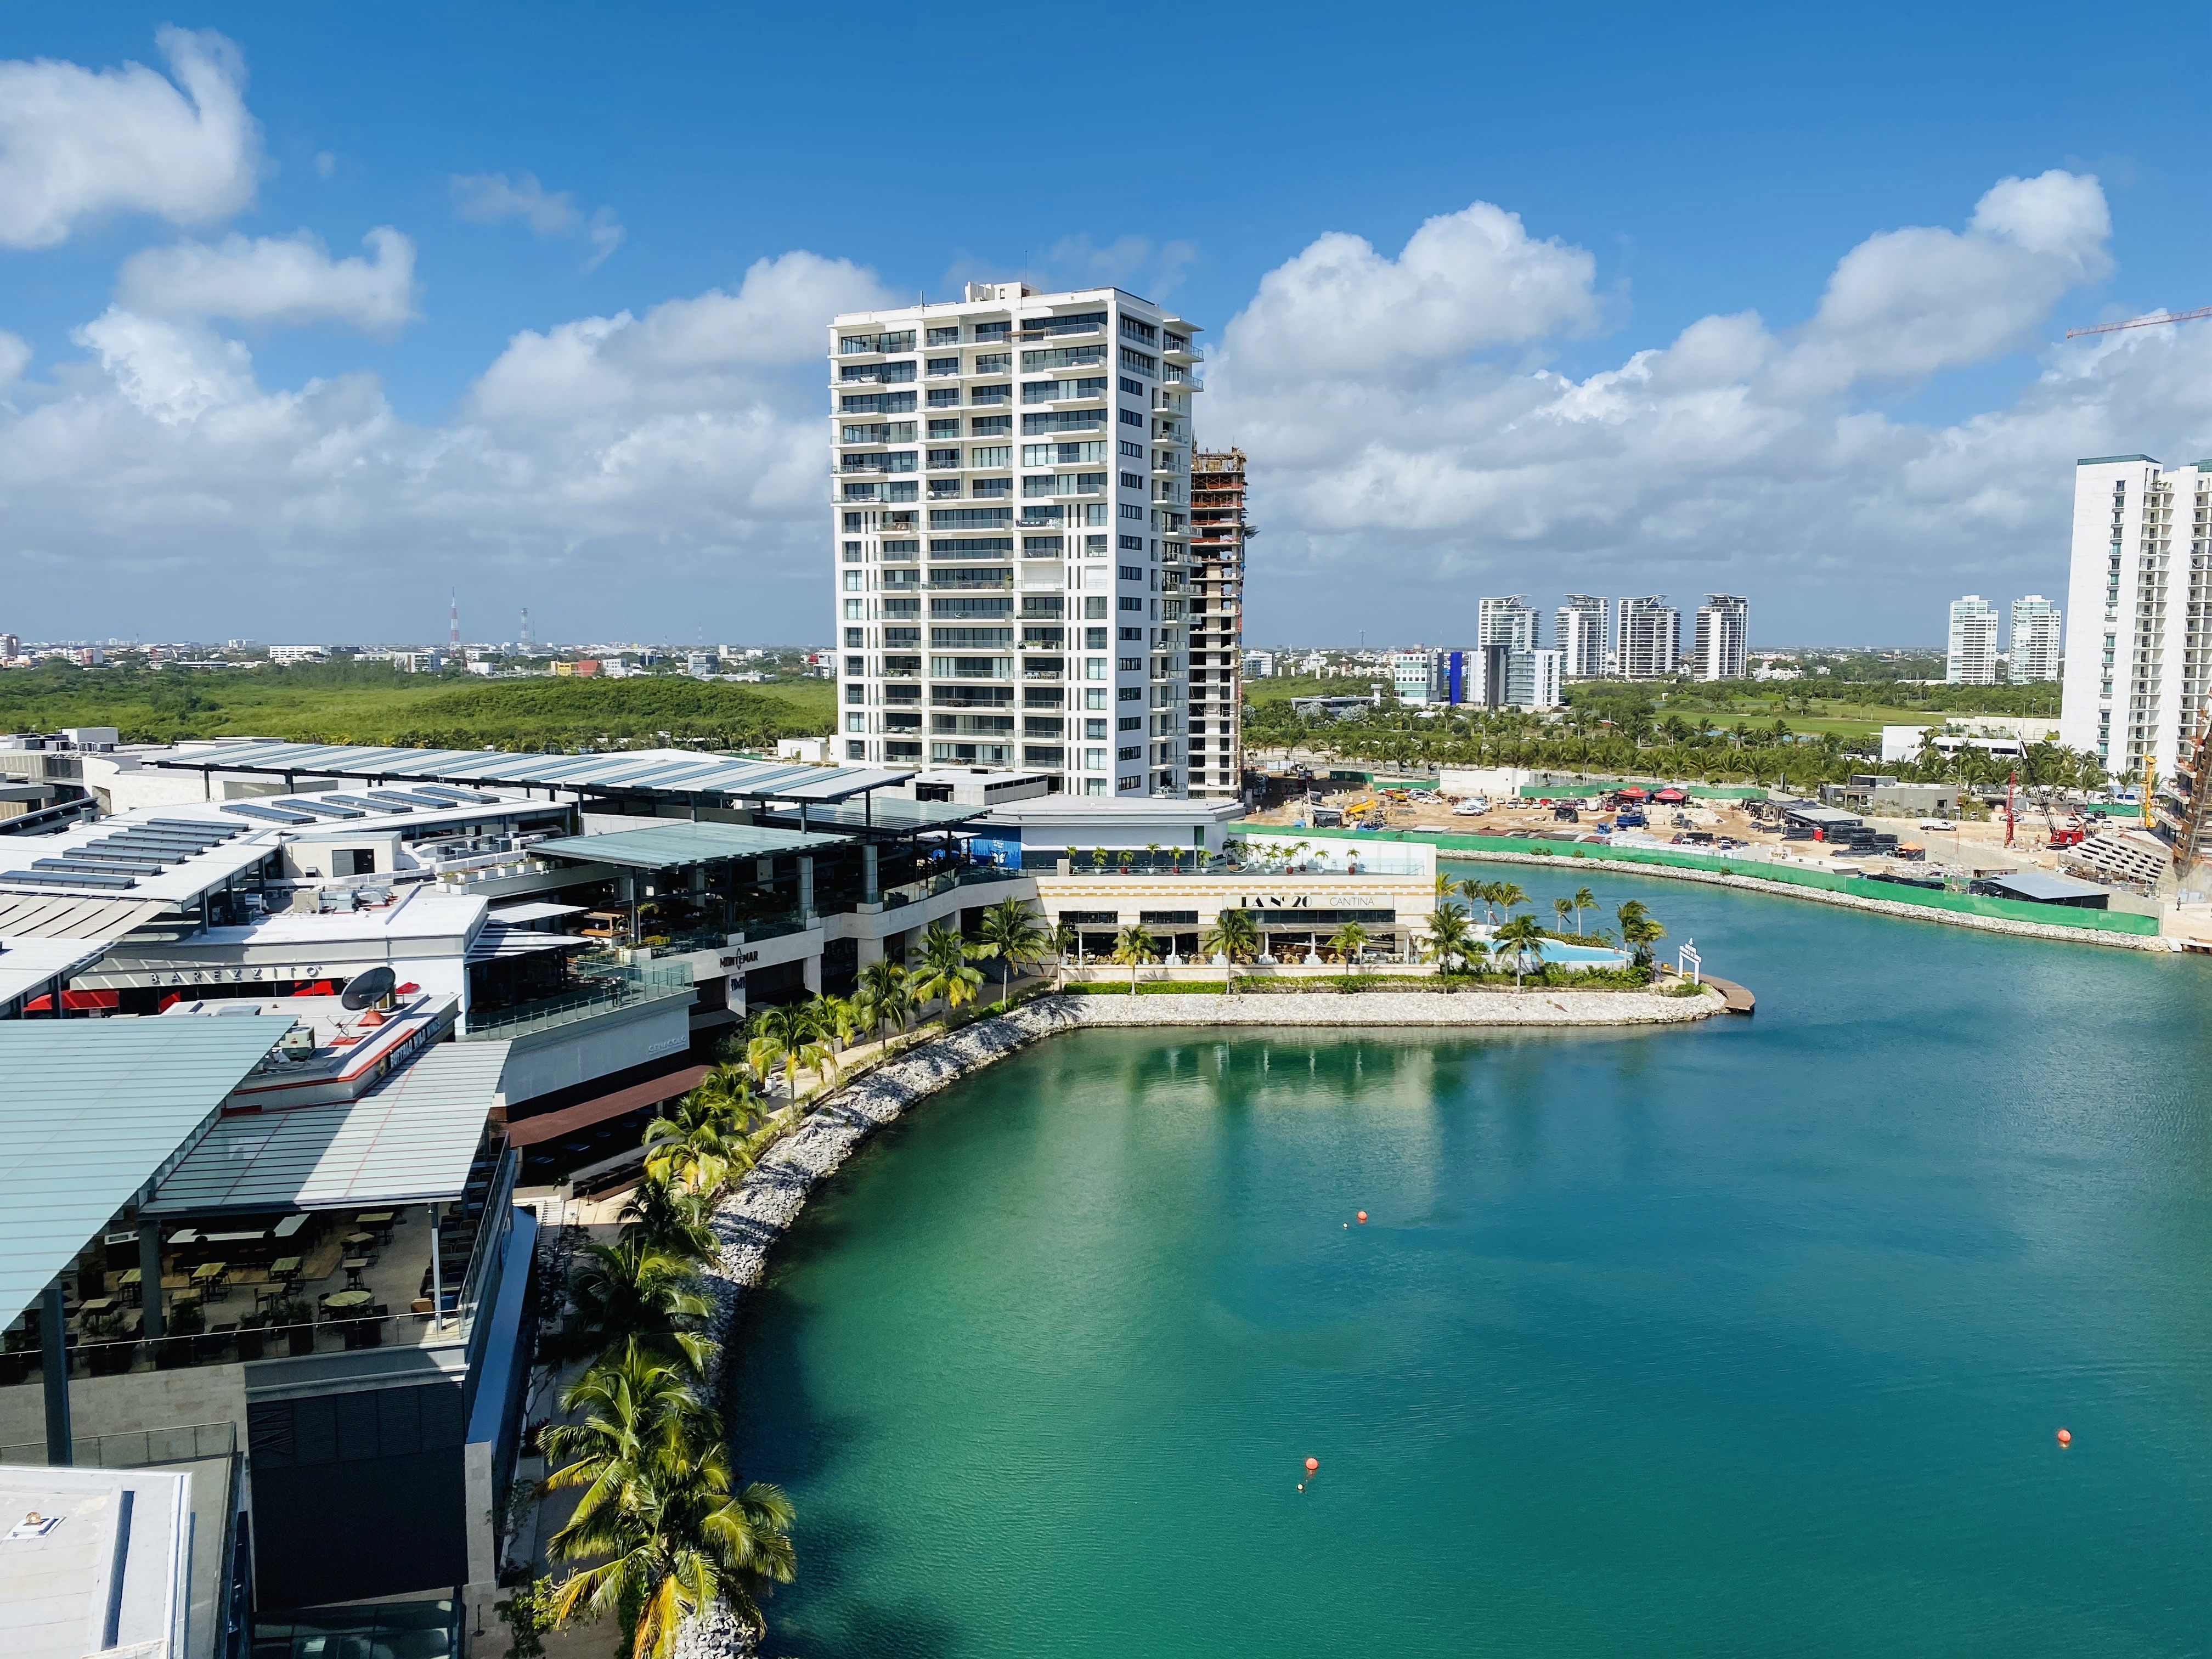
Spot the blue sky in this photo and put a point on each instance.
(1690, 169)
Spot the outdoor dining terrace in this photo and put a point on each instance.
(240, 1287)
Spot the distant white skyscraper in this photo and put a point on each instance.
(1973, 656)
(1512, 622)
(1723, 630)
(1582, 633)
(2139, 664)
(2035, 638)
(1650, 645)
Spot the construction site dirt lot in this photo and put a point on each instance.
(1965, 847)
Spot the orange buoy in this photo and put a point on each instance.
(2065, 1437)
(1312, 1463)
(1363, 1215)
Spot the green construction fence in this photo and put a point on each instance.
(1971, 904)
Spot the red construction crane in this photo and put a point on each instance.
(2142, 322)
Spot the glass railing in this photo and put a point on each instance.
(762, 928)
(137, 1448)
(615, 986)
(241, 1343)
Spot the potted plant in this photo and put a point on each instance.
(187, 1320)
(297, 1319)
(251, 1334)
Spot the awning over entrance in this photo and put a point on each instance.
(552, 1126)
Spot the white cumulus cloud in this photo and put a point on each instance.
(77, 144)
(1463, 281)
(1410, 450)
(285, 280)
(491, 199)
(1736, 456)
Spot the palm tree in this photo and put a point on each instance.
(631, 1289)
(693, 1144)
(1561, 909)
(671, 1215)
(883, 997)
(658, 1510)
(1638, 931)
(729, 1093)
(1449, 936)
(1235, 938)
(1480, 892)
(1065, 942)
(1009, 931)
(1584, 900)
(789, 1036)
(1522, 937)
(840, 1017)
(1152, 854)
(1508, 893)
(1348, 941)
(941, 970)
(1133, 949)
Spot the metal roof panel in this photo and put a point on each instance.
(63, 1175)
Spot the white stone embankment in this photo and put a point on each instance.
(1482, 1005)
(1566, 863)
(763, 1206)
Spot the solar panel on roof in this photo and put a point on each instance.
(447, 792)
(393, 797)
(366, 805)
(59, 879)
(90, 867)
(320, 808)
(267, 814)
(195, 826)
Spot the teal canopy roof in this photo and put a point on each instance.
(94, 1111)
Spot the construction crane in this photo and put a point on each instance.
(2151, 321)
(2196, 823)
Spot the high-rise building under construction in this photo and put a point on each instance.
(1218, 531)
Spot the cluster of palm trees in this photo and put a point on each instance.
(663, 1528)
(1518, 941)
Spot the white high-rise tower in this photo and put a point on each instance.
(2139, 654)
(1011, 535)
(1723, 632)
(1583, 634)
(2035, 638)
(1650, 639)
(1970, 656)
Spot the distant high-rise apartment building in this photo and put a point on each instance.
(1650, 639)
(1581, 632)
(1012, 537)
(1219, 530)
(1512, 622)
(2035, 638)
(1972, 657)
(2138, 676)
(1717, 652)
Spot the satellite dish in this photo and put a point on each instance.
(373, 987)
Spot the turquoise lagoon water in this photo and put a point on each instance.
(1750, 1339)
